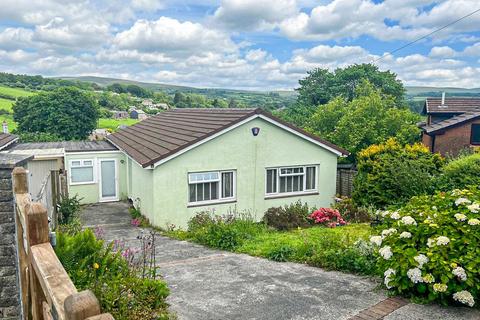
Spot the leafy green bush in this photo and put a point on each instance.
(390, 174)
(39, 137)
(460, 173)
(68, 208)
(223, 232)
(280, 254)
(430, 248)
(290, 216)
(119, 290)
(351, 212)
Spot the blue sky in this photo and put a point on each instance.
(244, 44)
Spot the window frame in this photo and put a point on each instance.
(472, 142)
(82, 165)
(278, 194)
(219, 189)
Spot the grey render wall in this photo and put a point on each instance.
(9, 283)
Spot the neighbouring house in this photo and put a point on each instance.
(183, 161)
(453, 124)
(120, 114)
(78, 159)
(98, 134)
(147, 102)
(138, 114)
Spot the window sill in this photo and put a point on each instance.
(290, 195)
(210, 203)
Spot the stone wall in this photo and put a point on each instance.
(10, 305)
(9, 288)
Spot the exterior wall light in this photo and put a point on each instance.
(255, 131)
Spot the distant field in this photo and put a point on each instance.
(6, 104)
(112, 124)
(15, 92)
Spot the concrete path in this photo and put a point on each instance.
(209, 284)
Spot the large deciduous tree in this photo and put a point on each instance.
(370, 118)
(66, 112)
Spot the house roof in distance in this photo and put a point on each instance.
(57, 149)
(451, 105)
(461, 118)
(6, 139)
(170, 132)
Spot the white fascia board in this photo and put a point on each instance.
(7, 144)
(90, 152)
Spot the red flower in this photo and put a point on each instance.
(327, 216)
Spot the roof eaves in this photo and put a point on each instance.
(449, 123)
(15, 139)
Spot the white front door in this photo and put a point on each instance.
(108, 180)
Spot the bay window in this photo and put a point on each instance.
(293, 180)
(212, 186)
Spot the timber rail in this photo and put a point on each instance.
(47, 292)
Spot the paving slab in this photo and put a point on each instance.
(209, 284)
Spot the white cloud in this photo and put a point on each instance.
(167, 35)
(442, 52)
(254, 14)
(340, 19)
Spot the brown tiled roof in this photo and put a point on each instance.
(6, 139)
(452, 105)
(464, 117)
(169, 132)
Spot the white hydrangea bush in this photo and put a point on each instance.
(429, 249)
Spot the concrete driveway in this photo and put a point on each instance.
(210, 284)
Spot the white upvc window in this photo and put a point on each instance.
(211, 187)
(291, 180)
(82, 171)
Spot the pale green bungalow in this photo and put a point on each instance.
(182, 161)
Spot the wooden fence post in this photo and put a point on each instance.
(37, 233)
(20, 184)
(81, 305)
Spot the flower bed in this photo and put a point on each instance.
(430, 249)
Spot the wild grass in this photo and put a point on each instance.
(343, 248)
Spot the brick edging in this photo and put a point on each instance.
(381, 309)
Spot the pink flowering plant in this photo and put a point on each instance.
(328, 217)
(429, 249)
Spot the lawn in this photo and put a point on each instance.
(343, 248)
(112, 124)
(15, 92)
(6, 104)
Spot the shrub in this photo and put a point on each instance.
(288, 217)
(430, 248)
(356, 258)
(68, 208)
(351, 212)
(328, 217)
(224, 232)
(391, 174)
(460, 173)
(118, 288)
(280, 254)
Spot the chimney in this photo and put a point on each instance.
(5, 126)
(443, 98)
